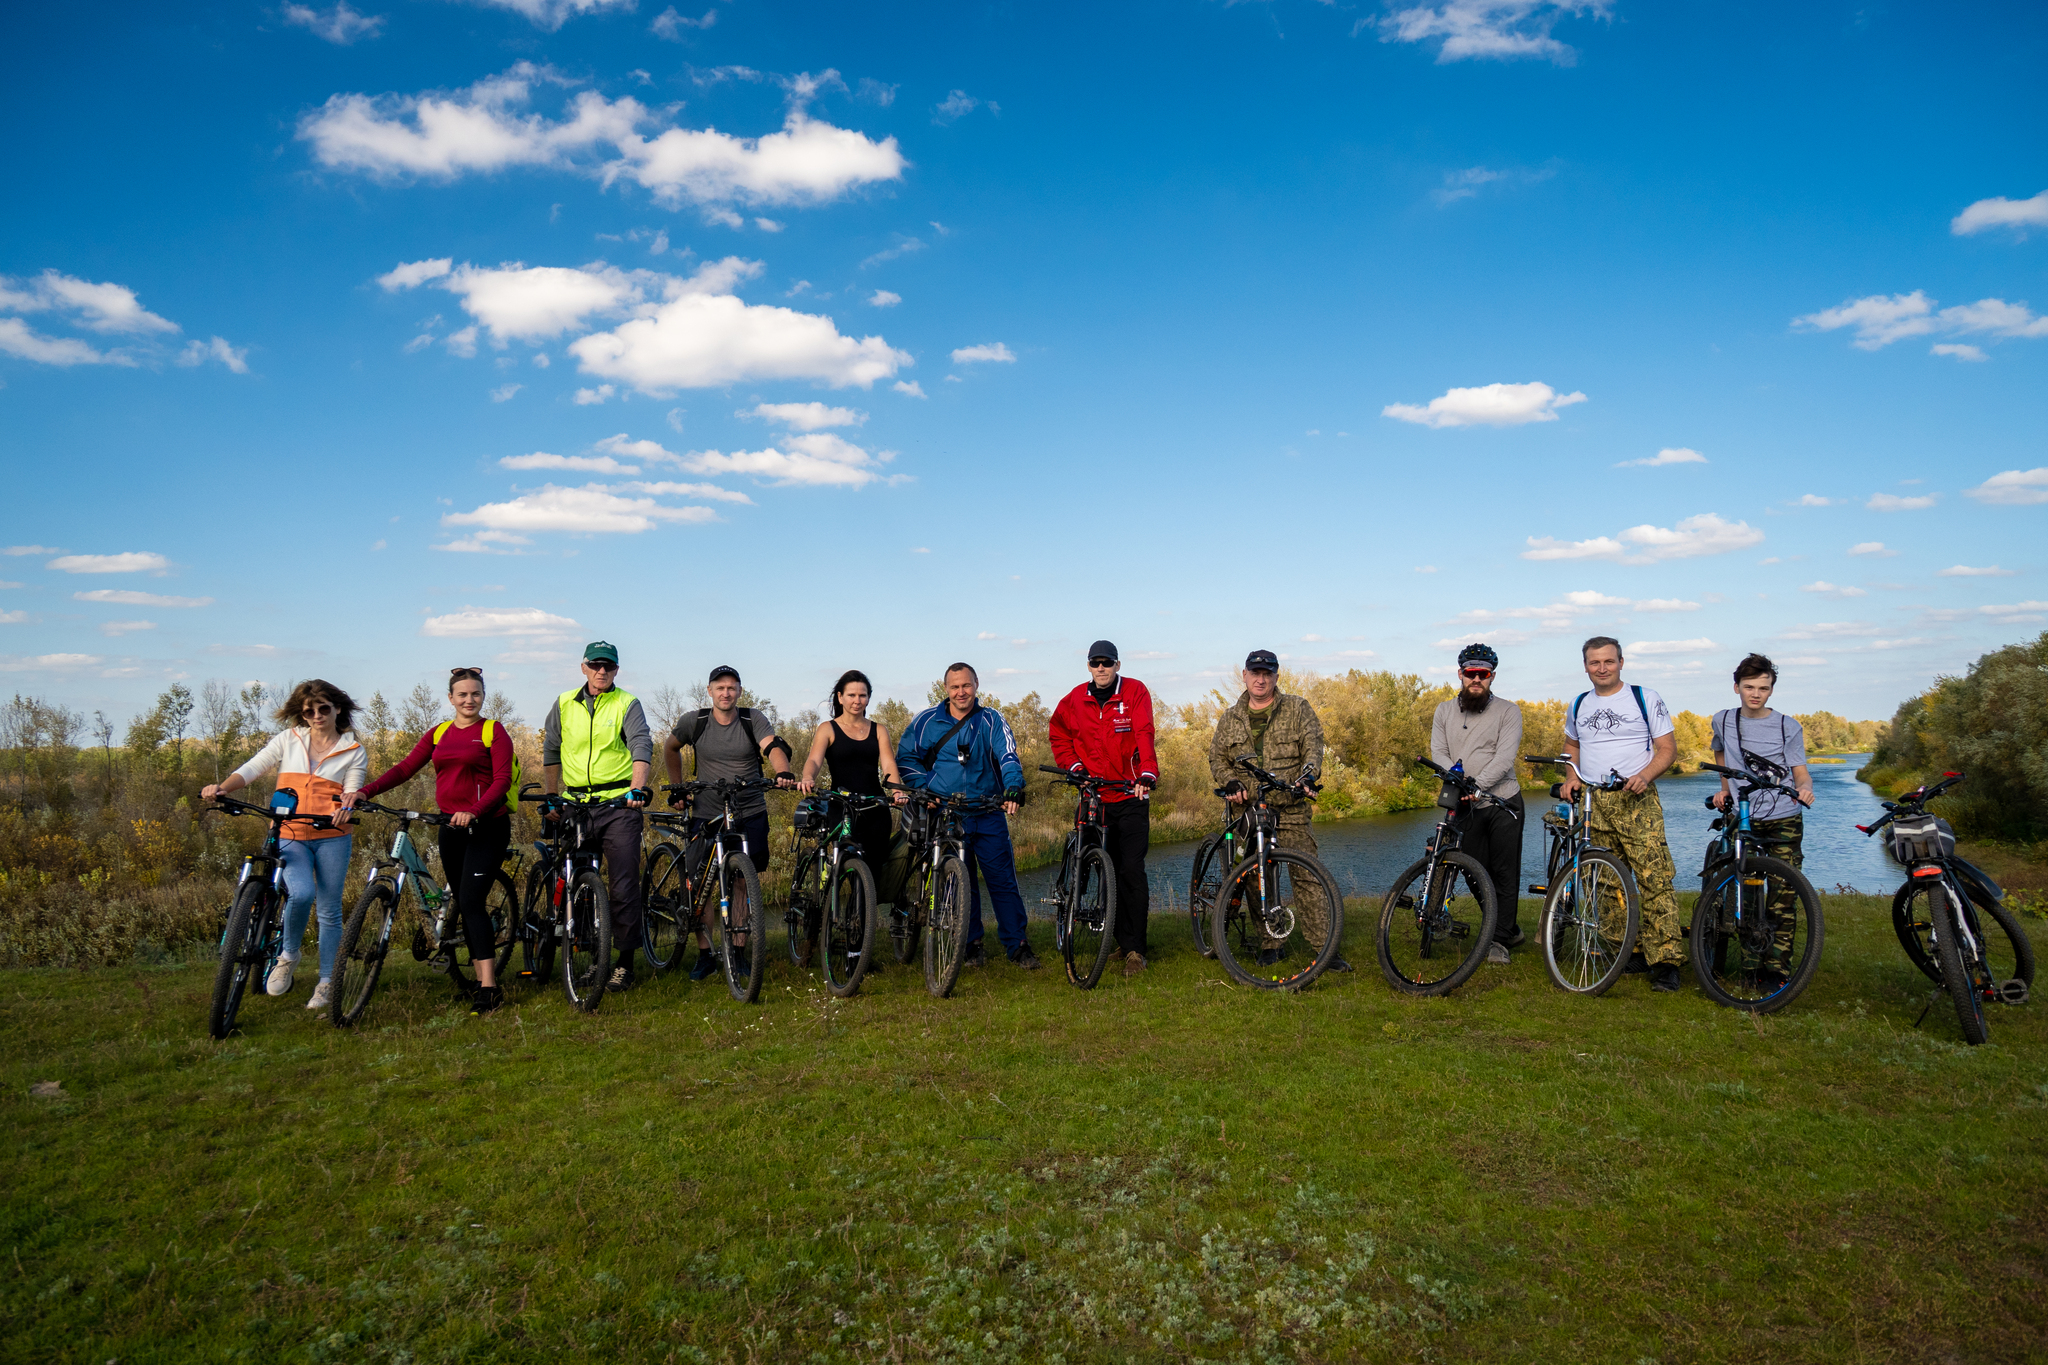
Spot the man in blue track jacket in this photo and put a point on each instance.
(965, 749)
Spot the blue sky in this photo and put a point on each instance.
(362, 341)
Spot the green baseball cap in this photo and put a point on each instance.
(601, 652)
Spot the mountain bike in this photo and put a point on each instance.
(1939, 914)
(1438, 921)
(567, 909)
(1252, 917)
(1084, 894)
(254, 936)
(1591, 910)
(936, 890)
(366, 935)
(832, 891)
(688, 892)
(1756, 928)
(1215, 855)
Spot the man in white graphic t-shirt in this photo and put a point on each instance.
(1626, 730)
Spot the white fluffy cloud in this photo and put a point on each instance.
(884, 298)
(2013, 488)
(102, 307)
(1497, 29)
(340, 25)
(134, 561)
(1881, 319)
(217, 348)
(818, 459)
(1570, 608)
(1959, 351)
(590, 464)
(473, 623)
(1823, 588)
(552, 14)
(1491, 405)
(18, 339)
(2018, 214)
(1699, 645)
(488, 127)
(128, 597)
(1892, 502)
(805, 416)
(1872, 547)
(1966, 571)
(994, 352)
(1705, 534)
(1668, 455)
(591, 509)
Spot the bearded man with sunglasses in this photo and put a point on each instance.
(1484, 732)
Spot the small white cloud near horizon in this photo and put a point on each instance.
(473, 623)
(1881, 319)
(1823, 588)
(116, 628)
(1705, 534)
(128, 597)
(884, 298)
(133, 561)
(505, 392)
(1814, 500)
(591, 509)
(2017, 214)
(1892, 502)
(994, 352)
(1701, 645)
(812, 416)
(1872, 547)
(588, 398)
(2013, 488)
(1492, 405)
(1669, 455)
(340, 25)
(1496, 30)
(593, 464)
(1965, 571)
(1958, 351)
(909, 388)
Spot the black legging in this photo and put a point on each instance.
(470, 859)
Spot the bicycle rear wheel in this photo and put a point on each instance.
(1962, 974)
(945, 938)
(1590, 918)
(537, 924)
(1203, 880)
(241, 953)
(805, 898)
(1088, 918)
(1432, 938)
(664, 909)
(848, 930)
(1747, 954)
(1262, 927)
(741, 932)
(906, 916)
(501, 903)
(586, 941)
(360, 964)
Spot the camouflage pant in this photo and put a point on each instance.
(1633, 827)
(1780, 839)
(1311, 915)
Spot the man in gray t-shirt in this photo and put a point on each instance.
(730, 740)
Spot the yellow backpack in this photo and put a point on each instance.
(511, 792)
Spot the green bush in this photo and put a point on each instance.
(1991, 723)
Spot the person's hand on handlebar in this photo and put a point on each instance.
(638, 797)
(1721, 800)
(1234, 792)
(460, 819)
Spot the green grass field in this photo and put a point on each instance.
(1165, 1169)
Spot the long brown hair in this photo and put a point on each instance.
(293, 712)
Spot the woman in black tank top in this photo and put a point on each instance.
(859, 763)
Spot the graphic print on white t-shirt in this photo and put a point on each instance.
(1611, 733)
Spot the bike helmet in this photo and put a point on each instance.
(1478, 653)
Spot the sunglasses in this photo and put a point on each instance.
(1478, 672)
(318, 708)
(600, 666)
(1102, 663)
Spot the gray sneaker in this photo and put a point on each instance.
(323, 996)
(1497, 953)
(280, 980)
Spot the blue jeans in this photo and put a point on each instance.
(989, 854)
(315, 870)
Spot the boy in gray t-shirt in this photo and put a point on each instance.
(1776, 821)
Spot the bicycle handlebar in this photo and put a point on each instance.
(227, 805)
(1268, 782)
(1912, 803)
(1084, 780)
(1613, 782)
(430, 817)
(967, 804)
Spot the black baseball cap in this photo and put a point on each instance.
(1102, 649)
(724, 671)
(1262, 661)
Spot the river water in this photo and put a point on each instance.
(1366, 855)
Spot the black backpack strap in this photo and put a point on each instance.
(927, 757)
(1649, 740)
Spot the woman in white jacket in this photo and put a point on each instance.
(316, 757)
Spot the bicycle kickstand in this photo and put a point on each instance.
(1932, 996)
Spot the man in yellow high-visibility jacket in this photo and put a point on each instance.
(596, 738)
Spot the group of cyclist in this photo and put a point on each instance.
(597, 745)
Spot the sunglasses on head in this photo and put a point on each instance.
(1478, 672)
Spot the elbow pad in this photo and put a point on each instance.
(777, 743)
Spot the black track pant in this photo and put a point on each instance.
(618, 830)
(1494, 837)
(1128, 836)
(470, 858)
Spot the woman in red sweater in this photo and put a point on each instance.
(472, 785)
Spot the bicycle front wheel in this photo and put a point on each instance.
(1203, 880)
(1590, 918)
(664, 906)
(848, 930)
(360, 963)
(805, 898)
(1757, 935)
(1961, 964)
(537, 929)
(241, 953)
(1432, 938)
(1266, 922)
(945, 938)
(741, 930)
(587, 941)
(501, 903)
(1088, 915)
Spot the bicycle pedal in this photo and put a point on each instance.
(1460, 929)
(1538, 889)
(2013, 992)
(1405, 902)
(1048, 900)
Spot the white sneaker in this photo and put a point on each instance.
(323, 996)
(280, 980)
(1497, 954)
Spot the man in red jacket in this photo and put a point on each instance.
(1103, 728)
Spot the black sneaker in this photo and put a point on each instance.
(486, 999)
(1664, 977)
(1636, 964)
(1513, 939)
(707, 965)
(1025, 958)
(973, 956)
(1338, 964)
(1268, 956)
(622, 979)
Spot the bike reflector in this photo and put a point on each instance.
(1927, 872)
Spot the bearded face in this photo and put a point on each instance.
(1474, 695)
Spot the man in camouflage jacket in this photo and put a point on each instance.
(1281, 734)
